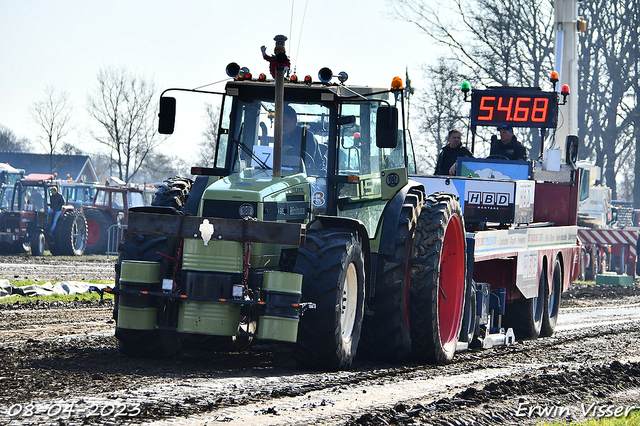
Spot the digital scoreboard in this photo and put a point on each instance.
(515, 107)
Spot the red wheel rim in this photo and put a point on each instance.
(451, 282)
(93, 232)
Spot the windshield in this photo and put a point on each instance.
(305, 131)
(31, 198)
(136, 199)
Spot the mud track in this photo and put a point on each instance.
(60, 366)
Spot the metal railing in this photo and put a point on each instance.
(115, 235)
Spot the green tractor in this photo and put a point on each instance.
(306, 230)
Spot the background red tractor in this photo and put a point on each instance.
(26, 224)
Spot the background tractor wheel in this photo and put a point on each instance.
(385, 334)
(552, 302)
(70, 234)
(438, 280)
(332, 265)
(98, 224)
(38, 244)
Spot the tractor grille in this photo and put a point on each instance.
(229, 209)
(11, 224)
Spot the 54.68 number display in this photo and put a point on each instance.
(515, 107)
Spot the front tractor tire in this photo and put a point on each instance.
(70, 234)
(385, 334)
(332, 265)
(38, 244)
(438, 278)
(173, 192)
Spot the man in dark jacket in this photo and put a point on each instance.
(448, 157)
(301, 142)
(508, 146)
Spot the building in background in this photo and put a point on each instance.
(76, 167)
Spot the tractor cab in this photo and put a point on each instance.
(342, 152)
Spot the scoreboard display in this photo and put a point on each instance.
(515, 107)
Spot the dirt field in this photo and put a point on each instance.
(61, 366)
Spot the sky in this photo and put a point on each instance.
(188, 43)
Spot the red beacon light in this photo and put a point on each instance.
(262, 77)
(294, 78)
(308, 79)
(564, 91)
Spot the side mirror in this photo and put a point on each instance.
(387, 127)
(167, 115)
(571, 149)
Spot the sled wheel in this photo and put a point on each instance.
(332, 265)
(385, 334)
(70, 234)
(438, 276)
(97, 232)
(552, 302)
(525, 317)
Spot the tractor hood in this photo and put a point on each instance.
(257, 194)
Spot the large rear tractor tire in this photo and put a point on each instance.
(70, 235)
(385, 334)
(438, 277)
(173, 192)
(98, 224)
(525, 317)
(332, 265)
(552, 302)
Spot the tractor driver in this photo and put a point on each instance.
(298, 140)
(56, 203)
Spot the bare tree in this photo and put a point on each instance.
(440, 107)
(9, 142)
(608, 78)
(122, 104)
(207, 147)
(53, 117)
(496, 42)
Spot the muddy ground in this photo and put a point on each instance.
(59, 365)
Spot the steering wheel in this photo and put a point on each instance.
(310, 162)
(497, 157)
